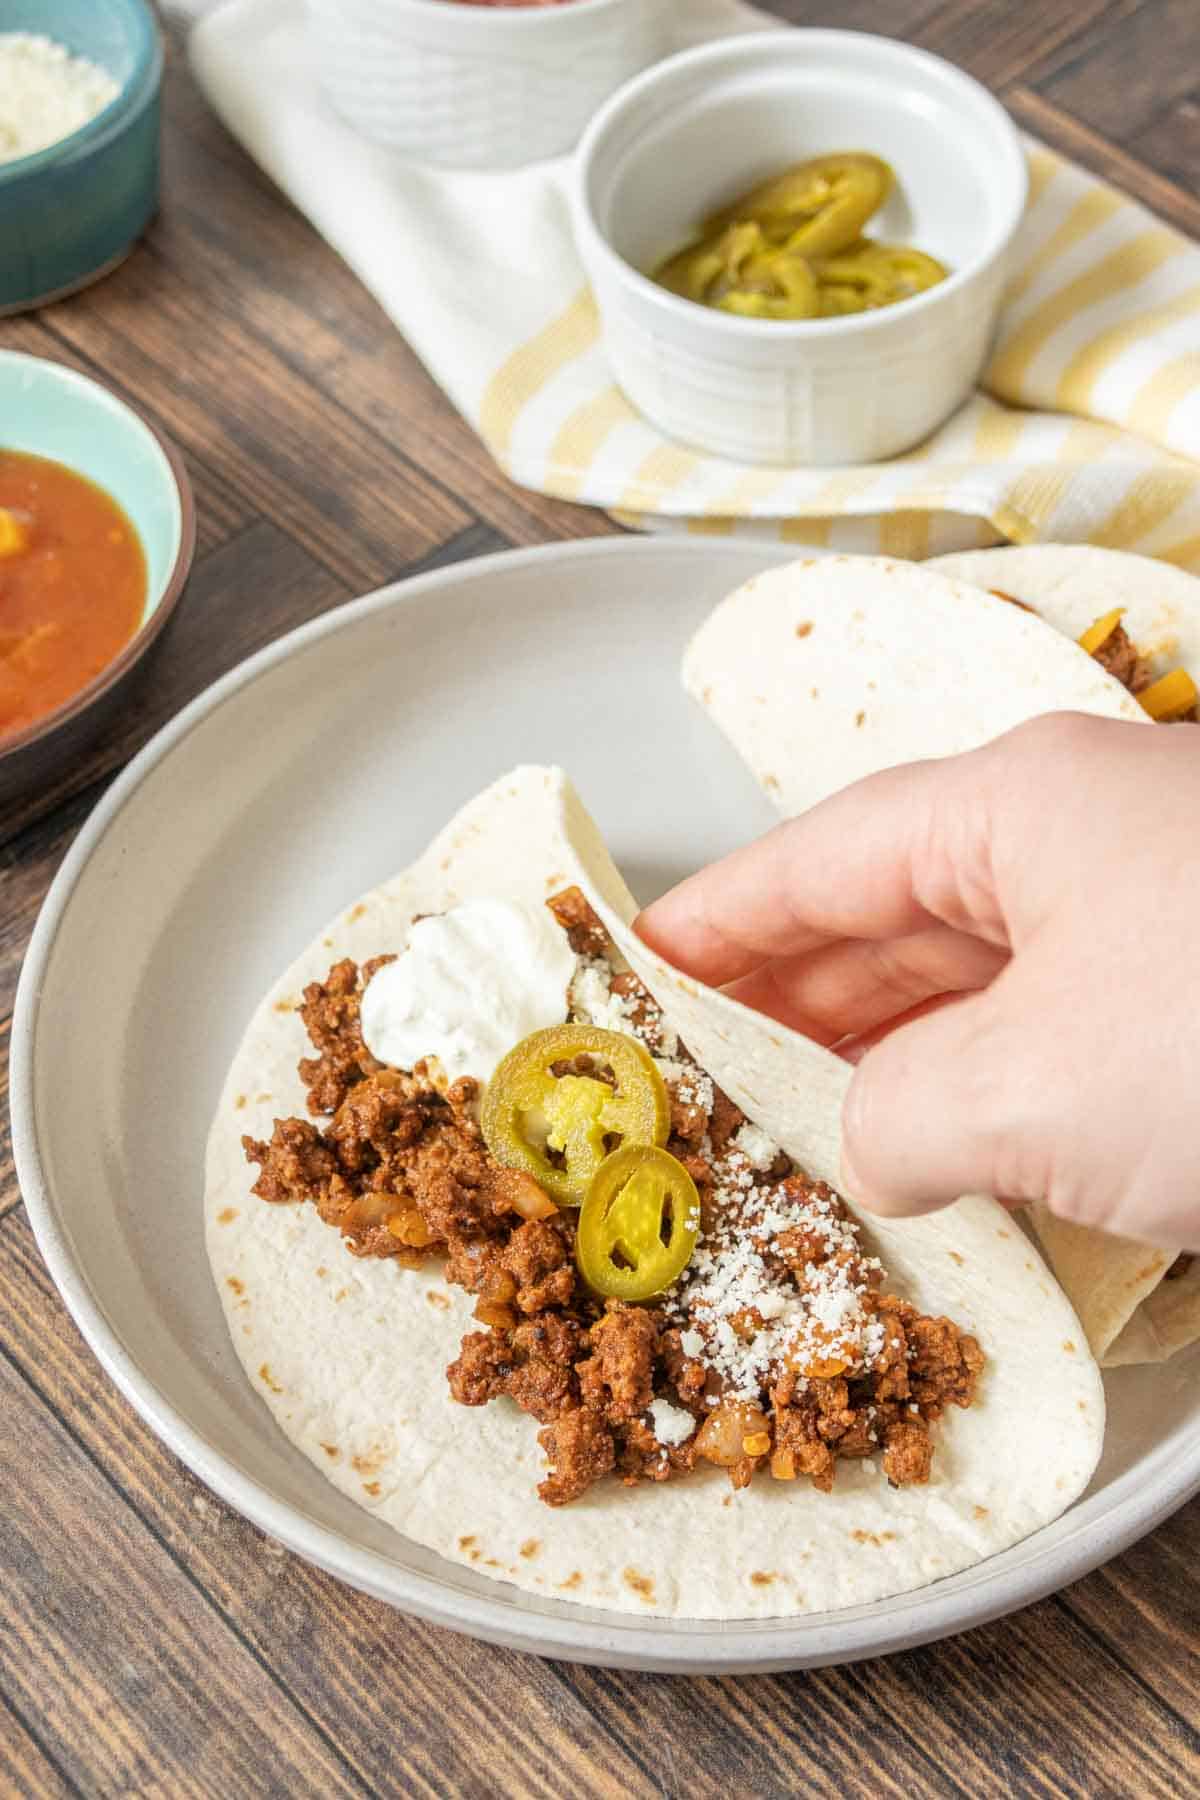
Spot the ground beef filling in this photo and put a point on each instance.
(397, 1164)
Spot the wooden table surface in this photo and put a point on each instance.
(152, 1642)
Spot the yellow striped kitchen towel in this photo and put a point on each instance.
(1086, 427)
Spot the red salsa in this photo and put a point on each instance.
(72, 585)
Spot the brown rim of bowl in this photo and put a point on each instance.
(147, 632)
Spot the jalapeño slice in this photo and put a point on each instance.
(819, 207)
(528, 1110)
(638, 1224)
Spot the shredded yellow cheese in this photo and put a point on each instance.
(1170, 696)
(1099, 633)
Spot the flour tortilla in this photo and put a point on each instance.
(1130, 1313)
(349, 1355)
(1072, 585)
(822, 672)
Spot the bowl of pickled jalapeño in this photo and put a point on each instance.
(798, 242)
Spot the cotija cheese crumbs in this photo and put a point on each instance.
(46, 93)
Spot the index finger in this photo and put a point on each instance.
(852, 867)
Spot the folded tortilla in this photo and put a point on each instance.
(822, 672)
(1130, 1310)
(348, 1355)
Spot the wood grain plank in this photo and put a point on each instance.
(238, 599)
(27, 1772)
(1170, 143)
(1120, 72)
(260, 262)
(221, 512)
(1116, 165)
(415, 1710)
(232, 400)
(133, 1677)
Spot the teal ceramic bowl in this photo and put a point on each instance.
(71, 212)
(49, 410)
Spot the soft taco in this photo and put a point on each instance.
(752, 1405)
(822, 672)
(825, 671)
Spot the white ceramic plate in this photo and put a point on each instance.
(310, 773)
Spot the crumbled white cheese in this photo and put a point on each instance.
(592, 1000)
(691, 1343)
(759, 1150)
(45, 93)
(670, 1424)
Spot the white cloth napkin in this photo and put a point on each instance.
(1100, 333)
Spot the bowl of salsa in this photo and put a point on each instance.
(97, 531)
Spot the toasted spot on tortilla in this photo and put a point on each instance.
(878, 1538)
(239, 1103)
(955, 1258)
(246, 1331)
(356, 912)
(640, 1584)
(1151, 1268)
(435, 1297)
(981, 1512)
(815, 693)
(465, 1543)
(802, 630)
(268, 1380)
(872, 685)
(553, 881)
(260, 1098)
(1082, 1405)
(763, 1577)
(328, 943)
(331, 1451)
(372, 1462)
(285, 1006)
(373, 1488)
(231, 1281)
(574, 1580)
(227, 1215)
(1068, 1346)
(706, 696)
(322, 1271)
(340, 1295)
(530, 1547)
(728, 1500)
(860, 718)
(491, 1562)
(771, 781)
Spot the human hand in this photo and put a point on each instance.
(1049, 885)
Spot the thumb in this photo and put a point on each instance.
(944, 1105)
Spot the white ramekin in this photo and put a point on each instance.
(480, 87)
(701, 128)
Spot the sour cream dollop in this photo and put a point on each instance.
(471, 983)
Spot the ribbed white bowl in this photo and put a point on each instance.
(480, 87)
(693, 133)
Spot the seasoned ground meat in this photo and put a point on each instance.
(400, 1168)
(585, 934)
(579, 1449)
(1118, 654)
(330, 1015)
(618, 1378)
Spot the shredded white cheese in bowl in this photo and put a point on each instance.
(46, 94)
